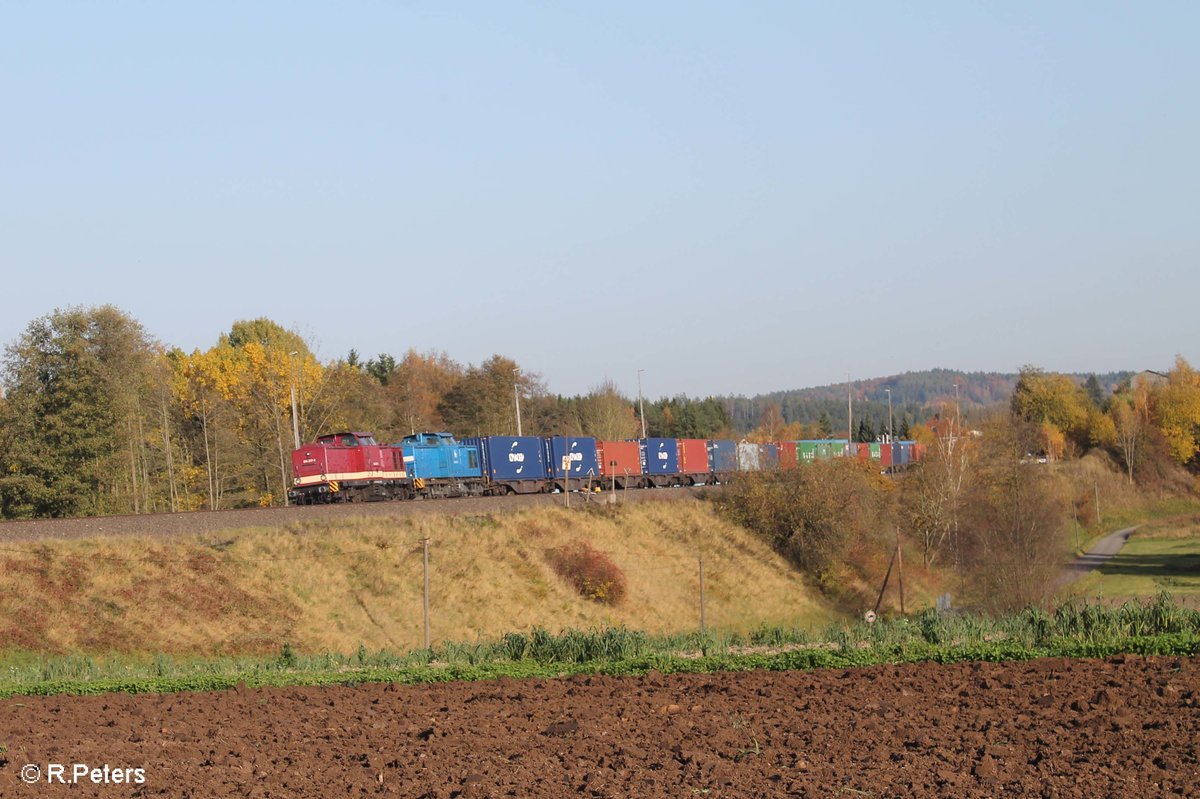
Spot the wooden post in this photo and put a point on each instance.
(425, 543)
(702, 625)
(1096, 486)
(886, 578)
(900, 569)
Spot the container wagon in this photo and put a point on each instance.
(722, 459)
(788, 454)
(694, 467)
(511, 464)
(620, 463)
(660, 462)
(582, 467)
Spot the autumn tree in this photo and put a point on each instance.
(483, 401)
(242, 389)
(933, 492)
(607, 415)
(1057, 405)
(416, 389)
(1012, 520)
(1176, 410)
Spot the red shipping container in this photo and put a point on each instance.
(885, 456)
(863, 451)
(789, 458)
(619, 458)
(693, 456)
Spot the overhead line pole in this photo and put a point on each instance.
(849, 413)
(641, 402)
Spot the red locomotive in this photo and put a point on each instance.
(348, 467)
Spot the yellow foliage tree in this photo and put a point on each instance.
(1053, 401)
(1176, 409)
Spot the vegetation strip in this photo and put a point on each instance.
(1179, 645)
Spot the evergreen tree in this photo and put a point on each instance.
(80, 388)
(1094, 391)
(824, 428)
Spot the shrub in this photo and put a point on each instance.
(591, 572)
(812, 516)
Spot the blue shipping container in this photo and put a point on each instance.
(722, 455)
(436, 456)
(770, 456)
(660, 456)
(583, 456)
(510, 458)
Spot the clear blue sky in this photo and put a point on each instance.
(734, 197)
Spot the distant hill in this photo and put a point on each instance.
(917, 395)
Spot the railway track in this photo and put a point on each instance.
(211, 521)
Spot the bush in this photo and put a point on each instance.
(812, 515)
(591, 572)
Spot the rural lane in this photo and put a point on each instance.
(1095, 557)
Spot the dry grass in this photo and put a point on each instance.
(329, 585)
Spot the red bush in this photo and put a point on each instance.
(591, 572)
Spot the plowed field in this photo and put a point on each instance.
(1125, 727)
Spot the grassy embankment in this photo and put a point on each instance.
(331, 586)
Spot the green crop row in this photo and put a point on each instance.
(811, 658)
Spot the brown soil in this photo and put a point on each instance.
(1125, 727)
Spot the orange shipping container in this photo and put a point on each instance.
(619, 458)
(693, 456)
(788, 455)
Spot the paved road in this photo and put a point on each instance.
(1095, 557)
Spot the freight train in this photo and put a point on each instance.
(353, 467)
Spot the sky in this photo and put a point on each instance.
(734, 198)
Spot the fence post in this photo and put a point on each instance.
(702, 621)
(425, 544)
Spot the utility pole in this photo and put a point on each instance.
(957, 412)
(517, 396)
(641, 402)
(425, 543)
(849, 412)
(295, 418)
(891, 436)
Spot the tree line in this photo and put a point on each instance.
(97, 417)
